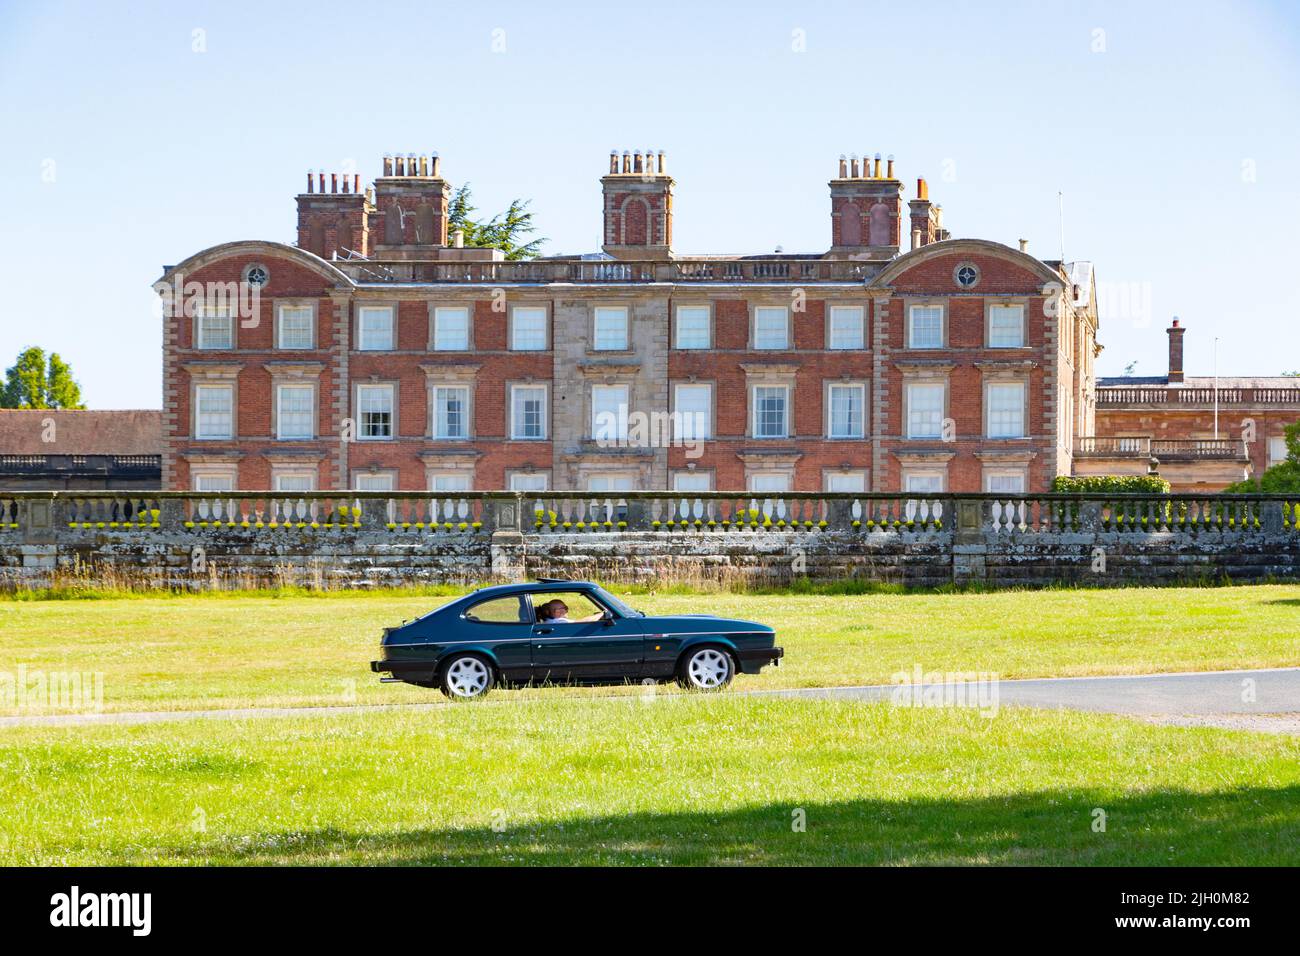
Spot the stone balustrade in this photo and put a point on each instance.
(921, 539)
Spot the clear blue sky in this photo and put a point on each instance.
(1173, 135)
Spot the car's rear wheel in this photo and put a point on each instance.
(466, 677)
(706, 668)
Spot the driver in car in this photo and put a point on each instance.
(557, 612)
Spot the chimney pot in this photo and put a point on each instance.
(663, 163)
(356, 182)
(1024, 245)
(889, 172)
(844, 166)
(877, 175)
(458, 238)
(334, 182)
(310, 183)
(435, 165)
(613, 160)
(853, 166)
(320, 181)
(916, 238)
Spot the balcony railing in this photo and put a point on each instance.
(88, 516)
(608, 271)
(1192, 449)
(1115, 396)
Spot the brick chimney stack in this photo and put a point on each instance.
(1176, 351)
(924, 225)
(411, 206)
(334, 216)
(638, 205)
(866, 210)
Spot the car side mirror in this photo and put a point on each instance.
(607, 618)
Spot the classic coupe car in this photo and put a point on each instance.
(566, 632)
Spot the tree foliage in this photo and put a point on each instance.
(1111, 485)
(504, 231)
(37, 382)
(1283, 478)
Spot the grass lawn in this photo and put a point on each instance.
(256, 650)
(678, 779)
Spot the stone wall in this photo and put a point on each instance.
(948, 540)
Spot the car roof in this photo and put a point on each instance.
(543, 584)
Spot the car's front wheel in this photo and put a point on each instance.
(706, 668)
(466, 677)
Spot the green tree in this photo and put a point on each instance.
(35, 382)
(504, 231)
(1283, 478)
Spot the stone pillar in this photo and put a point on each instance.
(37, 518)
(1270, 518)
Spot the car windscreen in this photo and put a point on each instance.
(619, 607)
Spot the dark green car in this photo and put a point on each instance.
(567, 632)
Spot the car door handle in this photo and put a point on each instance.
(544, 630)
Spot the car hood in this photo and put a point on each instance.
(704, 624)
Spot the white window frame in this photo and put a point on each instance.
(463, 479)
(611, 328)
(861, 390)
(754, 409)
(519, 480)
(912, 432)
(621, 412)
(993, 473)
(994, 334)
(614, 477)
(281, 389)
(376, 387)
(913, 341)
(435, 400)
(442, 314)
(280, 311)
(515, 390)
(279, 477)
(858, 337)
(760, 311)
(857, 477)
(693, 345)
(695, 429)
(365, 312)
(990, 388)
(939, 477)
(529, 310)
(203, 313)
(200, 478)
(704, 478)
(199, 433)
(387, 478)
(1277, 450)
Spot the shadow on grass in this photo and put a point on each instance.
(1250, 826)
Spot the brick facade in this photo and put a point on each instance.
(972, 368)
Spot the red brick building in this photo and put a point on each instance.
(1202, 431)
(378, 353)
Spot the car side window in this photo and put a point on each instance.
(579, 604)
(505, 610)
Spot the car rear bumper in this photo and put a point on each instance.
(402, 667)
(754, 660)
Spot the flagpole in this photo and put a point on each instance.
(1216, 387)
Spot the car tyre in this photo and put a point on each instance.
(466, 677)
(706, 669)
